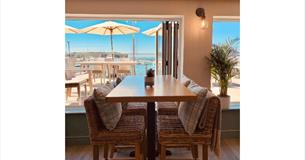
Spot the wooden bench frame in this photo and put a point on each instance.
(76, 82)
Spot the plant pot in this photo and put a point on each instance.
(149, 81)
(224, 102)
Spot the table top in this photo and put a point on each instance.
(109, 62)
(166, 88)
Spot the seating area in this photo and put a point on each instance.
(152, 80)
(81, 80)
(159, 81)
(116, 123)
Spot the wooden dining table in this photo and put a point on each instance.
(166, 88)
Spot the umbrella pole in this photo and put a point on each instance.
(133, 48)
(68, 48)
(111, 44)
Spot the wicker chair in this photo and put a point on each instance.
(167, 108)
(129, 130)
(172, 133)
(131, 108)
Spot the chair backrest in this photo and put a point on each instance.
(124, 59)
(94, 121)
(108, 58)
(97, 67)
(209, 117)
(70, 67)
(100, 59)
(125, 67)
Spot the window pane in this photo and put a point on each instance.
(223, 30)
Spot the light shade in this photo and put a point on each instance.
(200, 12)
(204, 24)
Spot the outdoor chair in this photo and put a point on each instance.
(77, 81)
(74, 79)
(128, 131)
(97, 71)
(172, 133)
(123, 70)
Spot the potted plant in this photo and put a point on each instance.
(149, 78)
(223, 64)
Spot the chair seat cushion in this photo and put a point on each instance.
(167, 108)
(170, 128)
(136, 108)
(109, 112)
(190, 112)
(128, 128)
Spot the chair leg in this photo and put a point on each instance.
(162, 152)
(205, 155)
(113, 149)
(159, 148)
(95, 152)
(78, 92)
(195, 151)
(138, 151)
(106, 151)
(69, 91)
(85, 90)
(143, 152)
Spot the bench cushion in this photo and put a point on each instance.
(189, 112)
(109, 112)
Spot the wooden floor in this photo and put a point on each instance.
(230, 151)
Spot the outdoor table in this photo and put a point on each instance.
(166, 88)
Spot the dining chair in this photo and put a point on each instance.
(128, 131)
(131, 108)
(173, 134)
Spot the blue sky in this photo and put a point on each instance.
(224, 30)
(123, 43)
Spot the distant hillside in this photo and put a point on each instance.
(98, 54)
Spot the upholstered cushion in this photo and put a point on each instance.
(189, 112)
(185, 80)
(110, 113)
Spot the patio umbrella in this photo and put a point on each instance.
(153, 31)
(111, 28)
(72, 30)
(156, 31)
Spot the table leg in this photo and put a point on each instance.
(151, 130)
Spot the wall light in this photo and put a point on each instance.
(201, 13)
